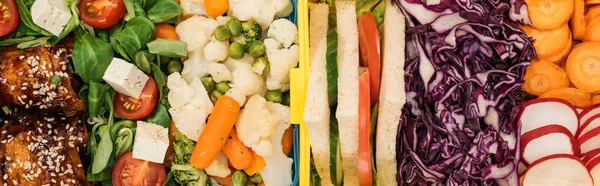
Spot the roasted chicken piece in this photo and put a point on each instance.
(42, 150)
(38, 80)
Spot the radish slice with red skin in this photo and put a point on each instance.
(558, 170)
(589, 112)
(586, 126)
(541, 112)
(594, 169)
(590, 140)
(547, 140)
(587, 157)
(580, 110)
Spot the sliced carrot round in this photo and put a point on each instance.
(592, 32)
(543, 76)
(592, 13)
(548, 42)
(578, 20)
(549, 14)
(595, 99)
(579, 98)
(562, 56)
(592, 2)
(583, 67)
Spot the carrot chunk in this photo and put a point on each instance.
(549, 43)
(543, 76)
(579, 98)
(578, 20)
(583, 67)
(549, 14)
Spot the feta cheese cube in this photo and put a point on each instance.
(151, 142)
(51, 15)
(125, 78)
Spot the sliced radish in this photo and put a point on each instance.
(579, 110)
(589, 124)
(594, 169)
(590, 140)
(547, 140)
(587, 113)
(545, 111)
(587, 157)
(557, 170)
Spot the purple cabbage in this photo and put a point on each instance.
(464, 68)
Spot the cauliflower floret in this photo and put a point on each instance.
(283, 7)
(223, 19)
(281, 60)
(194, 7)
(256, 123)
(263, 11)
(195, 31)
(284, 31)
(195, 66)
(219, 167)
(181, 93)
(237, 95)
(272, 173)
(216, 51)
(189, 118)
(242, 76)
(219, 72)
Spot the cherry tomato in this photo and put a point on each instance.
(133, 172)
(9, 17)
(134, 109)
(370, 51)
(101, 13)
(365, 175)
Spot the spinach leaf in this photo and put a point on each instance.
(26, 19)
(138, 8)
(84, 92)
(120, 50)
(168, 47)
(160, 116)
(33, 43)
(97, 92)
(104, 175)
(135, 35)
(123, 134)
(103, 34)
(331, 67)
(130, 10)
(161, 83)
(71, 25)
(148, 4)
(91, 56)
(13, 41)
(104, 152)
(143, 60)
(164, 10)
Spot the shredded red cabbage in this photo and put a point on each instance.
(465, 65)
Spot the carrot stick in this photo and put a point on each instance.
(287, 141)
(165, 31)
(258, 164)
(238, 154)
(215, 133)
(578, 20)
(583, 67)
(543, 76)
(579, 98)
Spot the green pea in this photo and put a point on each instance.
(174, 65)
(215, 95)
(260, 65)
(208, 83)
(164, 59)
(222, 33)
(256, 178)
(256, 49)
(236, 50)
(239, 178)
(235, 26)
(274, 96)
(222, 87)
(286, 100)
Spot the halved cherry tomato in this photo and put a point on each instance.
(9, 17)
(132, 108)
(365, 175)
(370, 51)
(101, 13)
(133, 172)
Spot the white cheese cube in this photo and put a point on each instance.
(125, 78)
(151, 142)
(51, 15)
